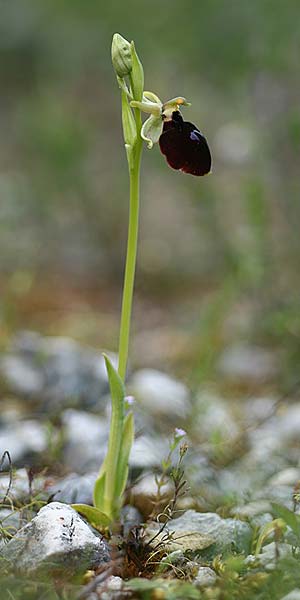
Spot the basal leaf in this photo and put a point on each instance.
(95, 517)
(117, 390)
(98, 495)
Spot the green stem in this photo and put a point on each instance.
(134, 175)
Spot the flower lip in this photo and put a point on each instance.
(184, 146)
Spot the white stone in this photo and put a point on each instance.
(289, 476)
(86, 436)
(247, 363)
(21, 375)
(148, 451)
(214, 416)
(160, 394)
(22, 438)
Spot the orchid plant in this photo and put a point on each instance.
(186, 149)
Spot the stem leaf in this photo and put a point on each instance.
(127, 441)
(117, 388)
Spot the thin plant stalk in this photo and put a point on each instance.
(134, 175)
(110, 502)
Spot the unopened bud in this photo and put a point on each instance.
(121, 55)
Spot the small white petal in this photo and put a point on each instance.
(151, 130)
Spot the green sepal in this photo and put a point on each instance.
(176, 102)
(128, 122)
(136, 75)
(95, 517)
(147, 107)
(126, 445)
(173, 105)
(152, 97)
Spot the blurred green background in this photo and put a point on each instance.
(218, 256)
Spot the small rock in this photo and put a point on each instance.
(27, 343)
(225, 533)
(148, 452)
(86, 437)
(74, 488)
(205, 577)
(289, 476)
(145, 493)
(131, 517)
(19, 488)
(274, 437)
(293, 595)
(213, 416)
(110, 589)
(199, 470)
(259, 521)
(268, 555)
(55, 371)
(247, 364)
(23, 439)
(236, 481)
(187, 541)
(21, 376)
(288, 425)
(259, 409)
(57, 541)
(282, 494)
(160, 394)
(252, 509)
(175, 558)
(74, 375)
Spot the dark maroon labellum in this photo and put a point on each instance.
(184, 146)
